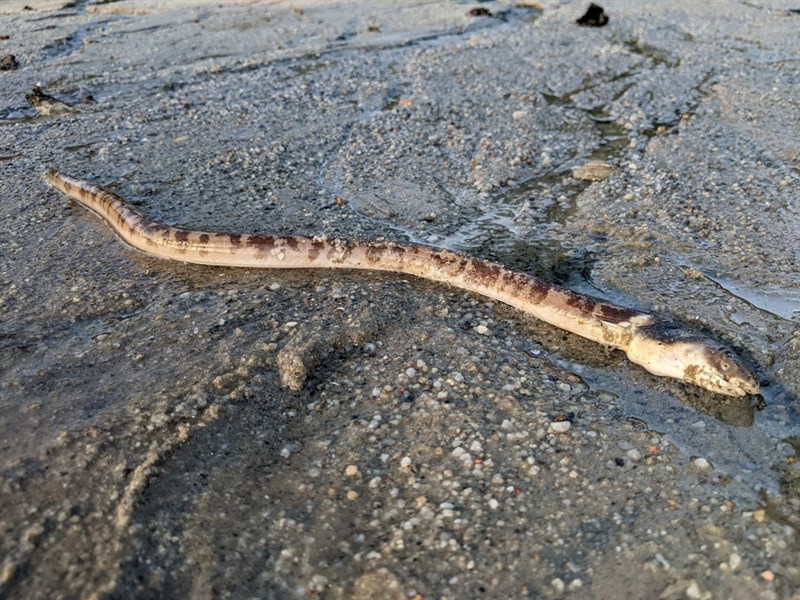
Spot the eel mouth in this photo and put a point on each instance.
(740, 387)
(714, 382)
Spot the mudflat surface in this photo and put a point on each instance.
(147, 444)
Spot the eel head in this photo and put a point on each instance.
(670, 350)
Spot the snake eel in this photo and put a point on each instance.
(662, 347)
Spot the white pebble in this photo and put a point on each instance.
(482, 329)
(318, 582)
(693, 591)
(633, 454)
(701, 463)
(411, 372)
(405, 462)
(560, 426)
(493, 504)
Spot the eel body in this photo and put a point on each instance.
(662, 347)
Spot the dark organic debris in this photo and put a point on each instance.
(8, 62)
(479, 12)
(44, 103)
(595, 17)
(795, 11)
(407, 396)
(38, 96)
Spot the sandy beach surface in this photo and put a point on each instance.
(437, 445)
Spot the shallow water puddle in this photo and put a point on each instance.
(780, 302)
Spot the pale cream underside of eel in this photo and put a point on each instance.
(662, 347)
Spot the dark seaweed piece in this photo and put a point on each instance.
(595, 17)
(38, 96)
(45, 104)
(8, 62)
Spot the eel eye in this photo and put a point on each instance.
(725, 366)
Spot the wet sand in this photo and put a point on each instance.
(442, 446)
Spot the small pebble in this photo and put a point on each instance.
(594, 170)
(634, 454)
(693, 591)
(318, 582)
(482, 329)
(560, 426)
(558, 585)
(351, 470)
(701, 463)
